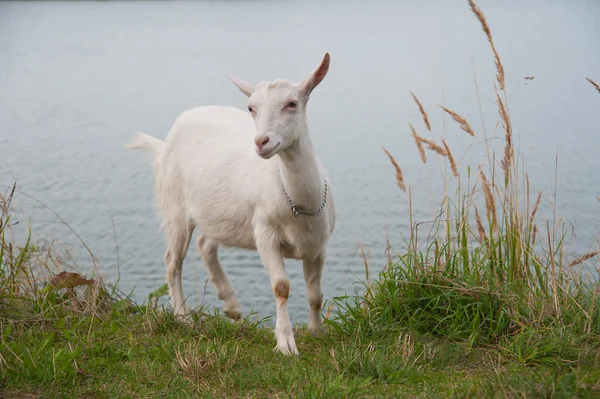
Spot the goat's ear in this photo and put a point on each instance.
(308, 84)
(245, 87)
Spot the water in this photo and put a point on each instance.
(77, 79)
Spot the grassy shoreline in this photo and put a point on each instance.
(58, 349)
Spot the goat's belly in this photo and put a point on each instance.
(228, 230)
(308, 245)
(296, 252)
(228, 235)
(290, 252)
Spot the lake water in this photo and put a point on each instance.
(78, 78)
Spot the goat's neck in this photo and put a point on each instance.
(299, 171)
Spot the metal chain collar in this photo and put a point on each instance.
(297, 209)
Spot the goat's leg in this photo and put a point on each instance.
(268, 245)
(178, 240)
(208, 251)
(312, 276)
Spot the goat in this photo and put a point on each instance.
(280, 203)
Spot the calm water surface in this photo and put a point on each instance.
(77, 79)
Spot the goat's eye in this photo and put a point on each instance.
(292, 105)
(251, 109)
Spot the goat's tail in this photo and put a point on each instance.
(147, 142)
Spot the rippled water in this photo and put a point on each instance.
(77, 79)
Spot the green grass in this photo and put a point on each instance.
(151, 355)
(486, 304)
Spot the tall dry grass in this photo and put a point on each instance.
(506, 260)
(510, 224)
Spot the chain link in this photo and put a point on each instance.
(297, 209)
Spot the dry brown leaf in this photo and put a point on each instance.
(69, 280)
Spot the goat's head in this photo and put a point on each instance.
(279, 109)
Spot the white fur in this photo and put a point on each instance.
(210, 174)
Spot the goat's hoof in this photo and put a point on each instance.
(316, 331)
(286, 350)
(233, 314)
(185, 318)
(287, 346)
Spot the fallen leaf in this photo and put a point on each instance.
(69, 280)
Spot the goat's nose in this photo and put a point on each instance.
(261, 141)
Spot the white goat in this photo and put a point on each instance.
(208, 174)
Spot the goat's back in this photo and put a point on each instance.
(211, 177)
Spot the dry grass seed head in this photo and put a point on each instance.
(480, 227)
(535, 208)
(486, 29)
(594, 84)
(422, 110)
(418, 141)
(583, 258)
(450, 159)
(464, 125)
(434, 146)
(508, 148)
(490, 202)
(399, 177)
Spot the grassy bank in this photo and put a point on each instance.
(488, 303)
(117, 354)
(440, 338)
(425, 335)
